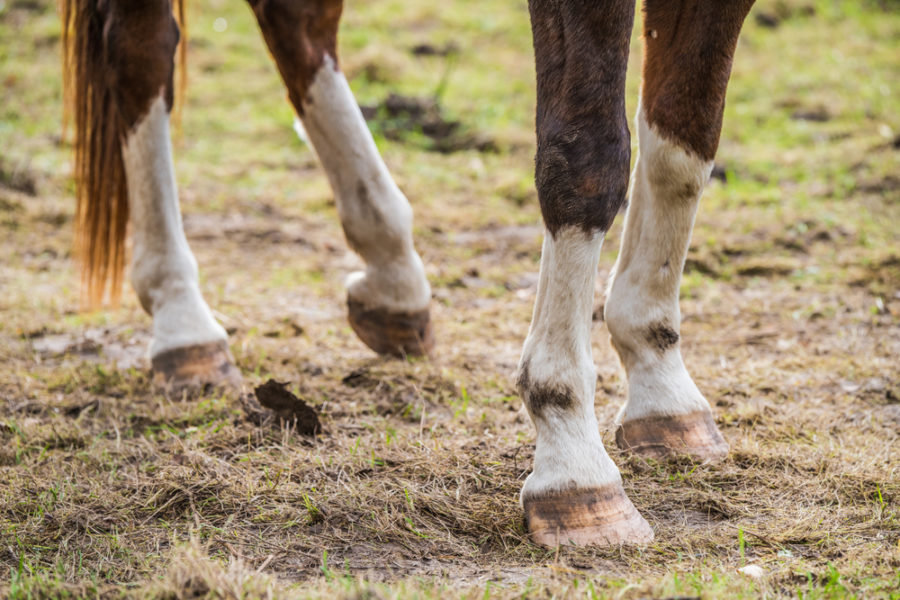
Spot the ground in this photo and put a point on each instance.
(791, 305)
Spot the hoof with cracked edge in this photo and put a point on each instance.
(585, 517)
(195, 367)
(694, 434)
(395, 333)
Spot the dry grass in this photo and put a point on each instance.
(791, 328)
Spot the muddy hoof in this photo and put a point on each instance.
(196, 367)
(398, 334)
(586, 517)
(694, 434)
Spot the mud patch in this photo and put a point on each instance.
(18, 178)
(123, 346)
(782, 11)
(766, 267)
(247, 230)
(817, 115)
(448, 49)
(889, 183)
(420, 121)
(880, 277)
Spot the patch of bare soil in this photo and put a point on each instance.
(394, 469)
(18, 178)
(124, 347)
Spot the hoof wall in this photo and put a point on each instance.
(398, 334)
(195, 367)
(586, 517)
(694, 434)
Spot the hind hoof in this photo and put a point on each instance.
(395, 333)
(586, 517)
(195, 367)
(694, 434)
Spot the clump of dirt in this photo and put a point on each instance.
(888, 183)
(272, 400)
(817, 114)
(719, 173)
(880, 277)
(401, 118)
(782, 11)
(426, 49)
(18, 178)
(766, 267)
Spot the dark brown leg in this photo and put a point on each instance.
(574, 495)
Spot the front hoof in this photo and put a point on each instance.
(694, 434)
(195, 367)
(395, 333)
(586, 517)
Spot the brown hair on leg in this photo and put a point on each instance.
(688, 50)
(583, 142)
(117, 57)
(299, 36)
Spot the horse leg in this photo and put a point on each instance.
(189, 347)
(388, 303)
(575, 494)
(688, 49)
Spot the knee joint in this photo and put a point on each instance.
(300, 35)
(581, 176)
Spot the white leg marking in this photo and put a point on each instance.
(557, 361)
(642, 304)
(376, 216)
(163, 270)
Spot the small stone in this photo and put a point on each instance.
(754, 571)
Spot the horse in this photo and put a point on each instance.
(119, 64)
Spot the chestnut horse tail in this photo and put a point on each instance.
(101, 214)
(181, 81)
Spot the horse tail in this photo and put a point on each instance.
(181, 80)
(101, 189)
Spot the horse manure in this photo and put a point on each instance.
(272, 401)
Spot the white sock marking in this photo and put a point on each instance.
(164, 271)
(665, 191)
(376, 216)
(557, 355)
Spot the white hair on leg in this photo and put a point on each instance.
(557, 375)
(642, 306)
(665, 408)
(574, 494)
(164, 271)
(376, 216)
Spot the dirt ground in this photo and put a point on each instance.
(790, 301)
